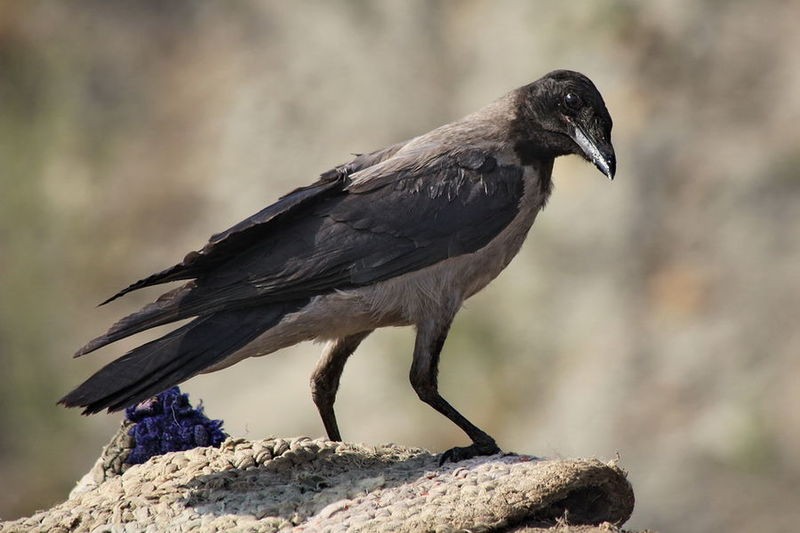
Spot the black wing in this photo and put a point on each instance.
(387, 226)
(397, 222)
(222, 246)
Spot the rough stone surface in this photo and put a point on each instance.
(317, 485)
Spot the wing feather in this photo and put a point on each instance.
(339, 237)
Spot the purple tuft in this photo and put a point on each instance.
(168, 423)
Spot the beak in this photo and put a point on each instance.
(600, 153)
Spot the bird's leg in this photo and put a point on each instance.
(430, 339)
(326, 375)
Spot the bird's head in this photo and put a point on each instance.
(563, 113)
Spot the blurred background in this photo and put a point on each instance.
(654, 317)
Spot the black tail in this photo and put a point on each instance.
(174, 358)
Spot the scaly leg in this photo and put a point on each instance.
(326, 375)
(424, 369)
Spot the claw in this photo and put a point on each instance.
(461, 453)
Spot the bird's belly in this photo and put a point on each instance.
(324, 317)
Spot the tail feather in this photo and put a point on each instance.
(174, 358)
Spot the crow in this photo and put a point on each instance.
(398, 237)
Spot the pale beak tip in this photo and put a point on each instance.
(607, 164)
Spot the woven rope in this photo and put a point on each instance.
(318, 485)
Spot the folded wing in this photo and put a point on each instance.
(339, 234)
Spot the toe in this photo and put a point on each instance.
(468, 452)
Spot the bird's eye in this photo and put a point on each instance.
(572, 101)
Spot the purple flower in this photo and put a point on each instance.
(168, 423)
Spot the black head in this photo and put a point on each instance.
(563, 113)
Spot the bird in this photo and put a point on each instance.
(401, 236)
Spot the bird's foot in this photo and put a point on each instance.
(461, 453)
